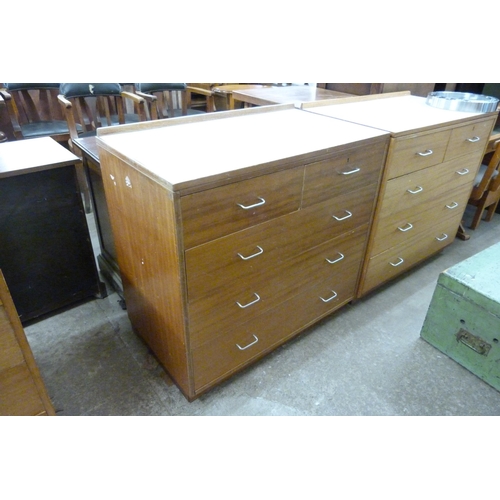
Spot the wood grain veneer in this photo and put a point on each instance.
(212, 286)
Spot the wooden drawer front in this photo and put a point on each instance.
(326, 220)
(417, 189)
(416, 152)
(275, 241)
(389, 264)
(346, 172)
(216, 212)
(225, 354)
(218, 310)
(469, 139)
(406, 224)
(242, 254)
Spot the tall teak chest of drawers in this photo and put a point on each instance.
(237, 230)
(433, 157)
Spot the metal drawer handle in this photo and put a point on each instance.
(250, 303)
(259, 251)
(427, 152)
(474, 139)
(464, 171)
(349, 214)
(336, 260)
(329, 298)
(247, 207)
(407, 228)
(415, 191)
(397, 263)
(350, 171)
(452, 206)
(249, 345)
(444, 237)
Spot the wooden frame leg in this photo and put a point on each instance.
(491, 210)
(84, 187)
(478, 214)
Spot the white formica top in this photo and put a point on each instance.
(398, 115)
(32, 155)
(179, 151)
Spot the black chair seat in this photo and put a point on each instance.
(42, 129)
(37, 129)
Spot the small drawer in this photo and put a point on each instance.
(470, 138)
(344, 172)
(407, 223)
(234, 302)
(222, 356)
(389, 264)
(417, 189)
(416, 152)
(224, 210)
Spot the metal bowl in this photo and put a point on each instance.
(462, 101)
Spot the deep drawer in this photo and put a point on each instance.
(416, 152)
(217, 212)
(222, 356)
(389, 264)
(345, 172)
(417, 189)
(236, 302)
(406, 224)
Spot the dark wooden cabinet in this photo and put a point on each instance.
(45, 249)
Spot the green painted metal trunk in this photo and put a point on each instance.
(463, 320)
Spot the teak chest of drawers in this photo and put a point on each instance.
(235, 231)
(432, 161)
(22, 390)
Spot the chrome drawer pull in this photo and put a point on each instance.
(349, 214)
(427, 152)
(464, 171)
(350, 171)
(452, 206)
(397, 263)
(415, 191)
(474, 139)
(259, 251)
(444, 237)
(407, 228)
(261, 202)
(250, 303)
(336, 260)
(329, 298)
(249, 345)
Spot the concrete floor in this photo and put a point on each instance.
(365, 359)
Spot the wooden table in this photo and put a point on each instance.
(226, 92)
(45, 253)
(285, 95)
(106, 259)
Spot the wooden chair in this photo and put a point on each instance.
(88, 106)
(34, 111)
(486, 191)
(168, 100)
